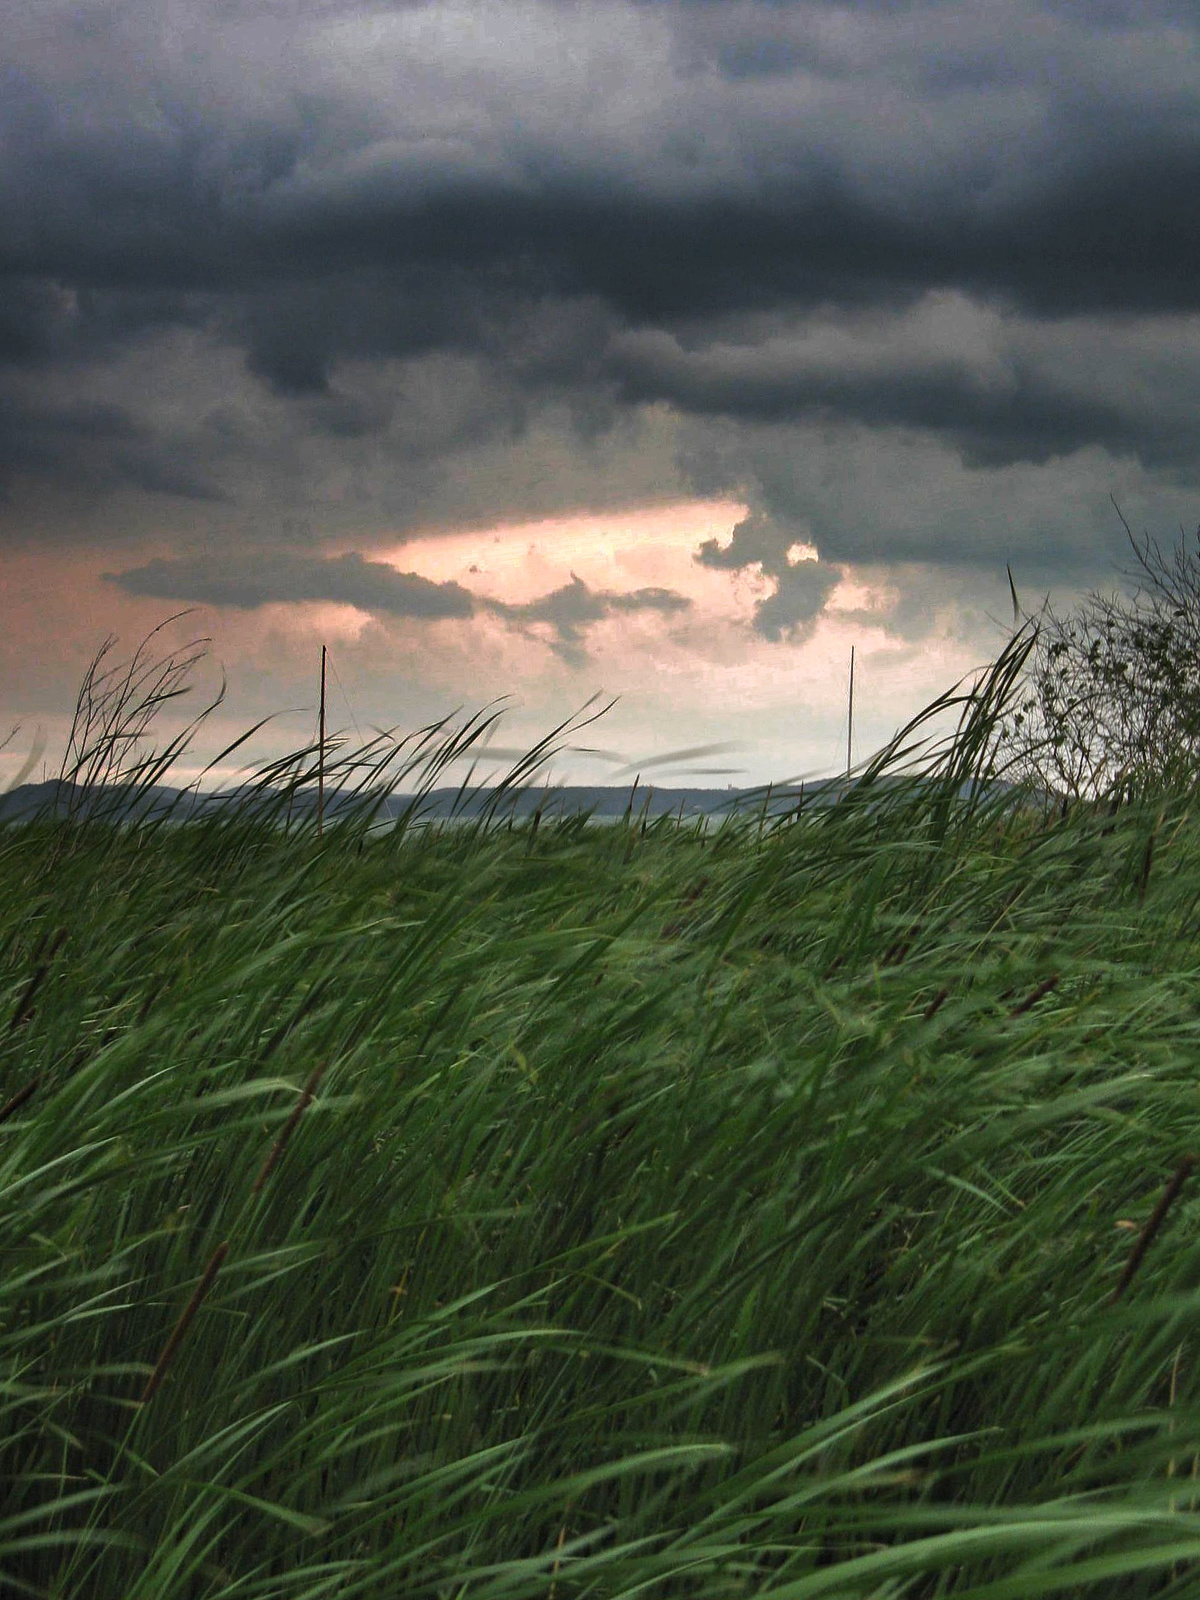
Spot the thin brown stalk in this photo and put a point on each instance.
(1159, 1215)
(11, 1107)
(899, 949)
(1147, 863)
(558, 1544)
(24, 1006)
(935, 1005)
(171, 1348)
(288, 1129)
(1037, 994)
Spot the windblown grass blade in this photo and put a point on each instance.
(731, 1210)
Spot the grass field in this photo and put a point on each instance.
(561, 1211)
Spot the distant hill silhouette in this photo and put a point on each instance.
(55, 799)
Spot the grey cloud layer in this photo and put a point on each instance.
(570, 610)
(474, 259)
(674, 159)
(801, 586)
(257, 581)
(262, 577)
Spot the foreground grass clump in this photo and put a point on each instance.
(591, 1211)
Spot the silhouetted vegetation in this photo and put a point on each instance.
(1112, 704)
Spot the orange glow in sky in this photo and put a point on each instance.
(682, 677)
(648, 548)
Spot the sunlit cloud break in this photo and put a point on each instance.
(256, 579)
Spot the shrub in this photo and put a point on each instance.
(1112, 701)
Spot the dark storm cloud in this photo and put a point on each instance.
(996, 391)
(677, 161)
(294, 332)
(801, 586)
(593, 214)
(92, 445)
(575, 607)
(260, 579)
(34, 314)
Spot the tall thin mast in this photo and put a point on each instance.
(321, 755)
(850, 717)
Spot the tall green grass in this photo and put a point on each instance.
(555, 1211)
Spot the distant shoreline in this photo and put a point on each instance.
(602, 801)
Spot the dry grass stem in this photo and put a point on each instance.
(179, 1331)
(1159, 1215)
(288, 1129)
(935, 1005)
(11, 1107)
(1030, 1000)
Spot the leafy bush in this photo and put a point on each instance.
(1112, 701)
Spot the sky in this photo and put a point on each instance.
(537, 350)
